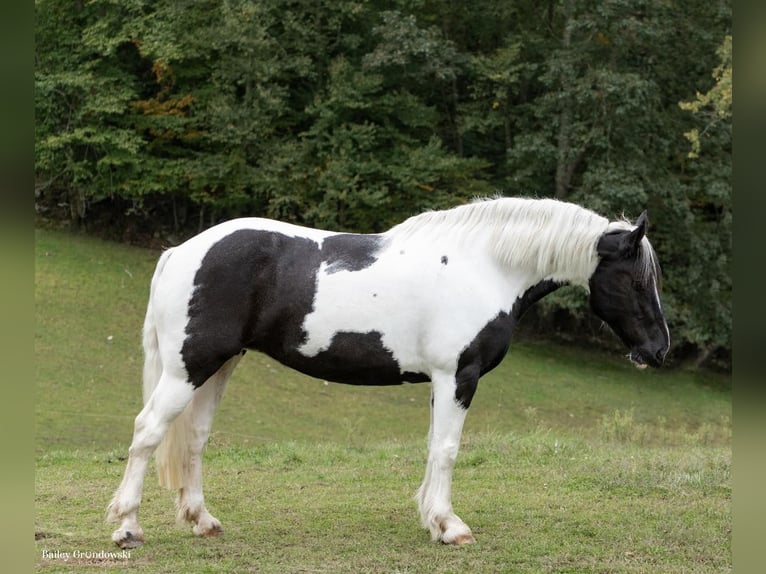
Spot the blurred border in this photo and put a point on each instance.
(749, 468)
(17, 283)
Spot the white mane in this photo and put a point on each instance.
(553, 239)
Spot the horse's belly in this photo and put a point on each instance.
(353, 358)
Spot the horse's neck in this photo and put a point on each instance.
(545, 239)
(541, 263)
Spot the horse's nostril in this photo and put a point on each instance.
(661, 355)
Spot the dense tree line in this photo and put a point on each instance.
(166, 116)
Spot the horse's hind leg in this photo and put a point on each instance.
(191, 502)
(169, 398)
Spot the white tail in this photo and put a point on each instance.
(172, 454)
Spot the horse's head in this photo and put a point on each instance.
(624, 293)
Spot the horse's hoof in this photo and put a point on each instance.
(458, 535)
(462, 539)
(209, 531)
(127, 539)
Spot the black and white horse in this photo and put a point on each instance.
(435, 298)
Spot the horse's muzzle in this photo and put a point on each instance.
(642, 358)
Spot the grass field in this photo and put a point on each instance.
(571, 461)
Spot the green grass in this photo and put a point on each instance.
(536, 504)
(571, 461)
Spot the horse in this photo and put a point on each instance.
(435, 298)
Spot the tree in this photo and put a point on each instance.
(705, 319)
(714, 106)
(84, 143)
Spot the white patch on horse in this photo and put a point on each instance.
(408, 298)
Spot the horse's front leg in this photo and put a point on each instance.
(435, 495)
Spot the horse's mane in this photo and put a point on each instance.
(552, 238)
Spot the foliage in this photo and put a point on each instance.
(714, 105)
(161, 118)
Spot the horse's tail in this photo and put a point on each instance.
(172, 453)
(152, 360)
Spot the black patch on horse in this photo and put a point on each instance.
(350, 252)
(356, 359)
(491, 344)
(254, 289)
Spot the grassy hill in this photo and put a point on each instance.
(572, 460)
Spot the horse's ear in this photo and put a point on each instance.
(631, 241)
(643, 222)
